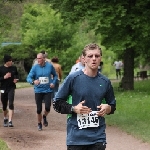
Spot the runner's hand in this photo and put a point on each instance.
(80, 109)
(36, 82)
(104, 109)
(15, 80)
(7, 75)
(52, 85)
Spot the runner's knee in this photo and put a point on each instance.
(39, 111)
(11, 106)
(4, 107)
(47, 109)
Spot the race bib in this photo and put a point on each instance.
(87, 120)
(44, 80)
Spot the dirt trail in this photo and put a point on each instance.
(25, 136)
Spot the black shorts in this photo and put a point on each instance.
(8, 97)
(39, 97)
(96, 146)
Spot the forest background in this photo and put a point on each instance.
(63, 29)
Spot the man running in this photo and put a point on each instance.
(40, 77)
(8, 79)
(86, 125)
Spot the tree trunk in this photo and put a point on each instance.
(128, 77)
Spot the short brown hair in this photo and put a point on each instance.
(55, 59)
(91, 46)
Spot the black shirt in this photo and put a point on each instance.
(7, 84)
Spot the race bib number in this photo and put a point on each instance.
(88, 120)
(44, 80)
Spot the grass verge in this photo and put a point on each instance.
(3, 145)
(132, 113)
(22, 85)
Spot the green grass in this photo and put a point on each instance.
(3, 145)
(23, 85)
(132, 113)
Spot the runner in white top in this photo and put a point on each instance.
(118, 65)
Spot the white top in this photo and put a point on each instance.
(118, 64)
(78, 66)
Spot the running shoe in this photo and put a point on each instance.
(10, 124)
(5, 122)
(45, 122)
(39, 126)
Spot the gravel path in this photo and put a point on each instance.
(25, 136)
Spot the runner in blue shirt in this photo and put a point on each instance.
(40, 77)
(86, 126)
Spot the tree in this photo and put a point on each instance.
(43, 29)
(124, 26)
(10, 14)
(22, 57)
(4, 21)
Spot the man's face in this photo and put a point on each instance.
(9, 63)
(40, 59)
(92, 59)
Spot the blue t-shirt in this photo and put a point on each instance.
(93, 90)
(45, 71)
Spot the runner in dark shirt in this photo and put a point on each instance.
(8, 79)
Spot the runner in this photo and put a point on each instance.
(79, 65)
(8, 79)
(40, 77)
(86, 126)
